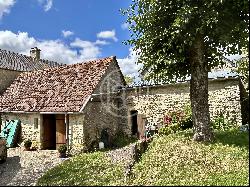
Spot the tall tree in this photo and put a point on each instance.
(242, 69)
(188, 37)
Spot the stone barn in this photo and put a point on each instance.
(146, 105)
(66, 104)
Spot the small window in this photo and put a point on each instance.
(36, 123)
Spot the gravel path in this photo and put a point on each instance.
(23, 168)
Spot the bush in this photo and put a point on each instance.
(187, 122)
(221, 123)
(166, 130)
(27, 143)
(62, 148)
(177, 120)
(121, 140)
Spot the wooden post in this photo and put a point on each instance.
(67, 130)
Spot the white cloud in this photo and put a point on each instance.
(107, 35)
(124, 26)
(101, 42)
(47, 4)
(128, 65)
(5, 6)
(88, 50)
(67, 33)
(19, 42)
(54, 50)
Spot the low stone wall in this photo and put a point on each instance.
(224, 98)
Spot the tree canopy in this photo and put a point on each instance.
(164, 30)
(187, 37)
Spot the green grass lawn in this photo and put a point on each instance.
(83, 170)
(169, 160)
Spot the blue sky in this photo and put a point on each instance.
(68, 31)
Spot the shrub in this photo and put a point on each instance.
(172, 128)
(221, 123)
(27, 143)
(187, 122)
(177, 120)
(62, 148)
(121, 140)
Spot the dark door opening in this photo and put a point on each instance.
(49, 131)
(134, 128)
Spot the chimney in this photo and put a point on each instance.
(35, 53)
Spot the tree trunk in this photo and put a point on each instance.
(199, 91)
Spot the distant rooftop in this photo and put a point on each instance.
(19, 62)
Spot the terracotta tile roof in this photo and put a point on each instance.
(60, 89)
(14, 61)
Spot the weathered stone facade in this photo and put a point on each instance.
(100, 112)
(154, 101)
(6, 78)
(110, 106)
(85, 127)
(76, 133)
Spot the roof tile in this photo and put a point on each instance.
(59, 89)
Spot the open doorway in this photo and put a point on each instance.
(54, 131)
(49, 131)
(134, 128)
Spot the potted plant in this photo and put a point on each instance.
(27, 144)
(62, 151)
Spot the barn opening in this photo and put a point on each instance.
(54, 131)
(134, 129)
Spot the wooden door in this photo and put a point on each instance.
(60, 130)
(141, 121)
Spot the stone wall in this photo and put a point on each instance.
(103, 109)
(6, 78)
(76, 135)
(28, 129)
(224, 98)
(154, 101)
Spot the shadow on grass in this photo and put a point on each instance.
(233, 137)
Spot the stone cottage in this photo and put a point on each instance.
(74, 104)
(55, 105)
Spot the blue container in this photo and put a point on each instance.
(11, 131)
